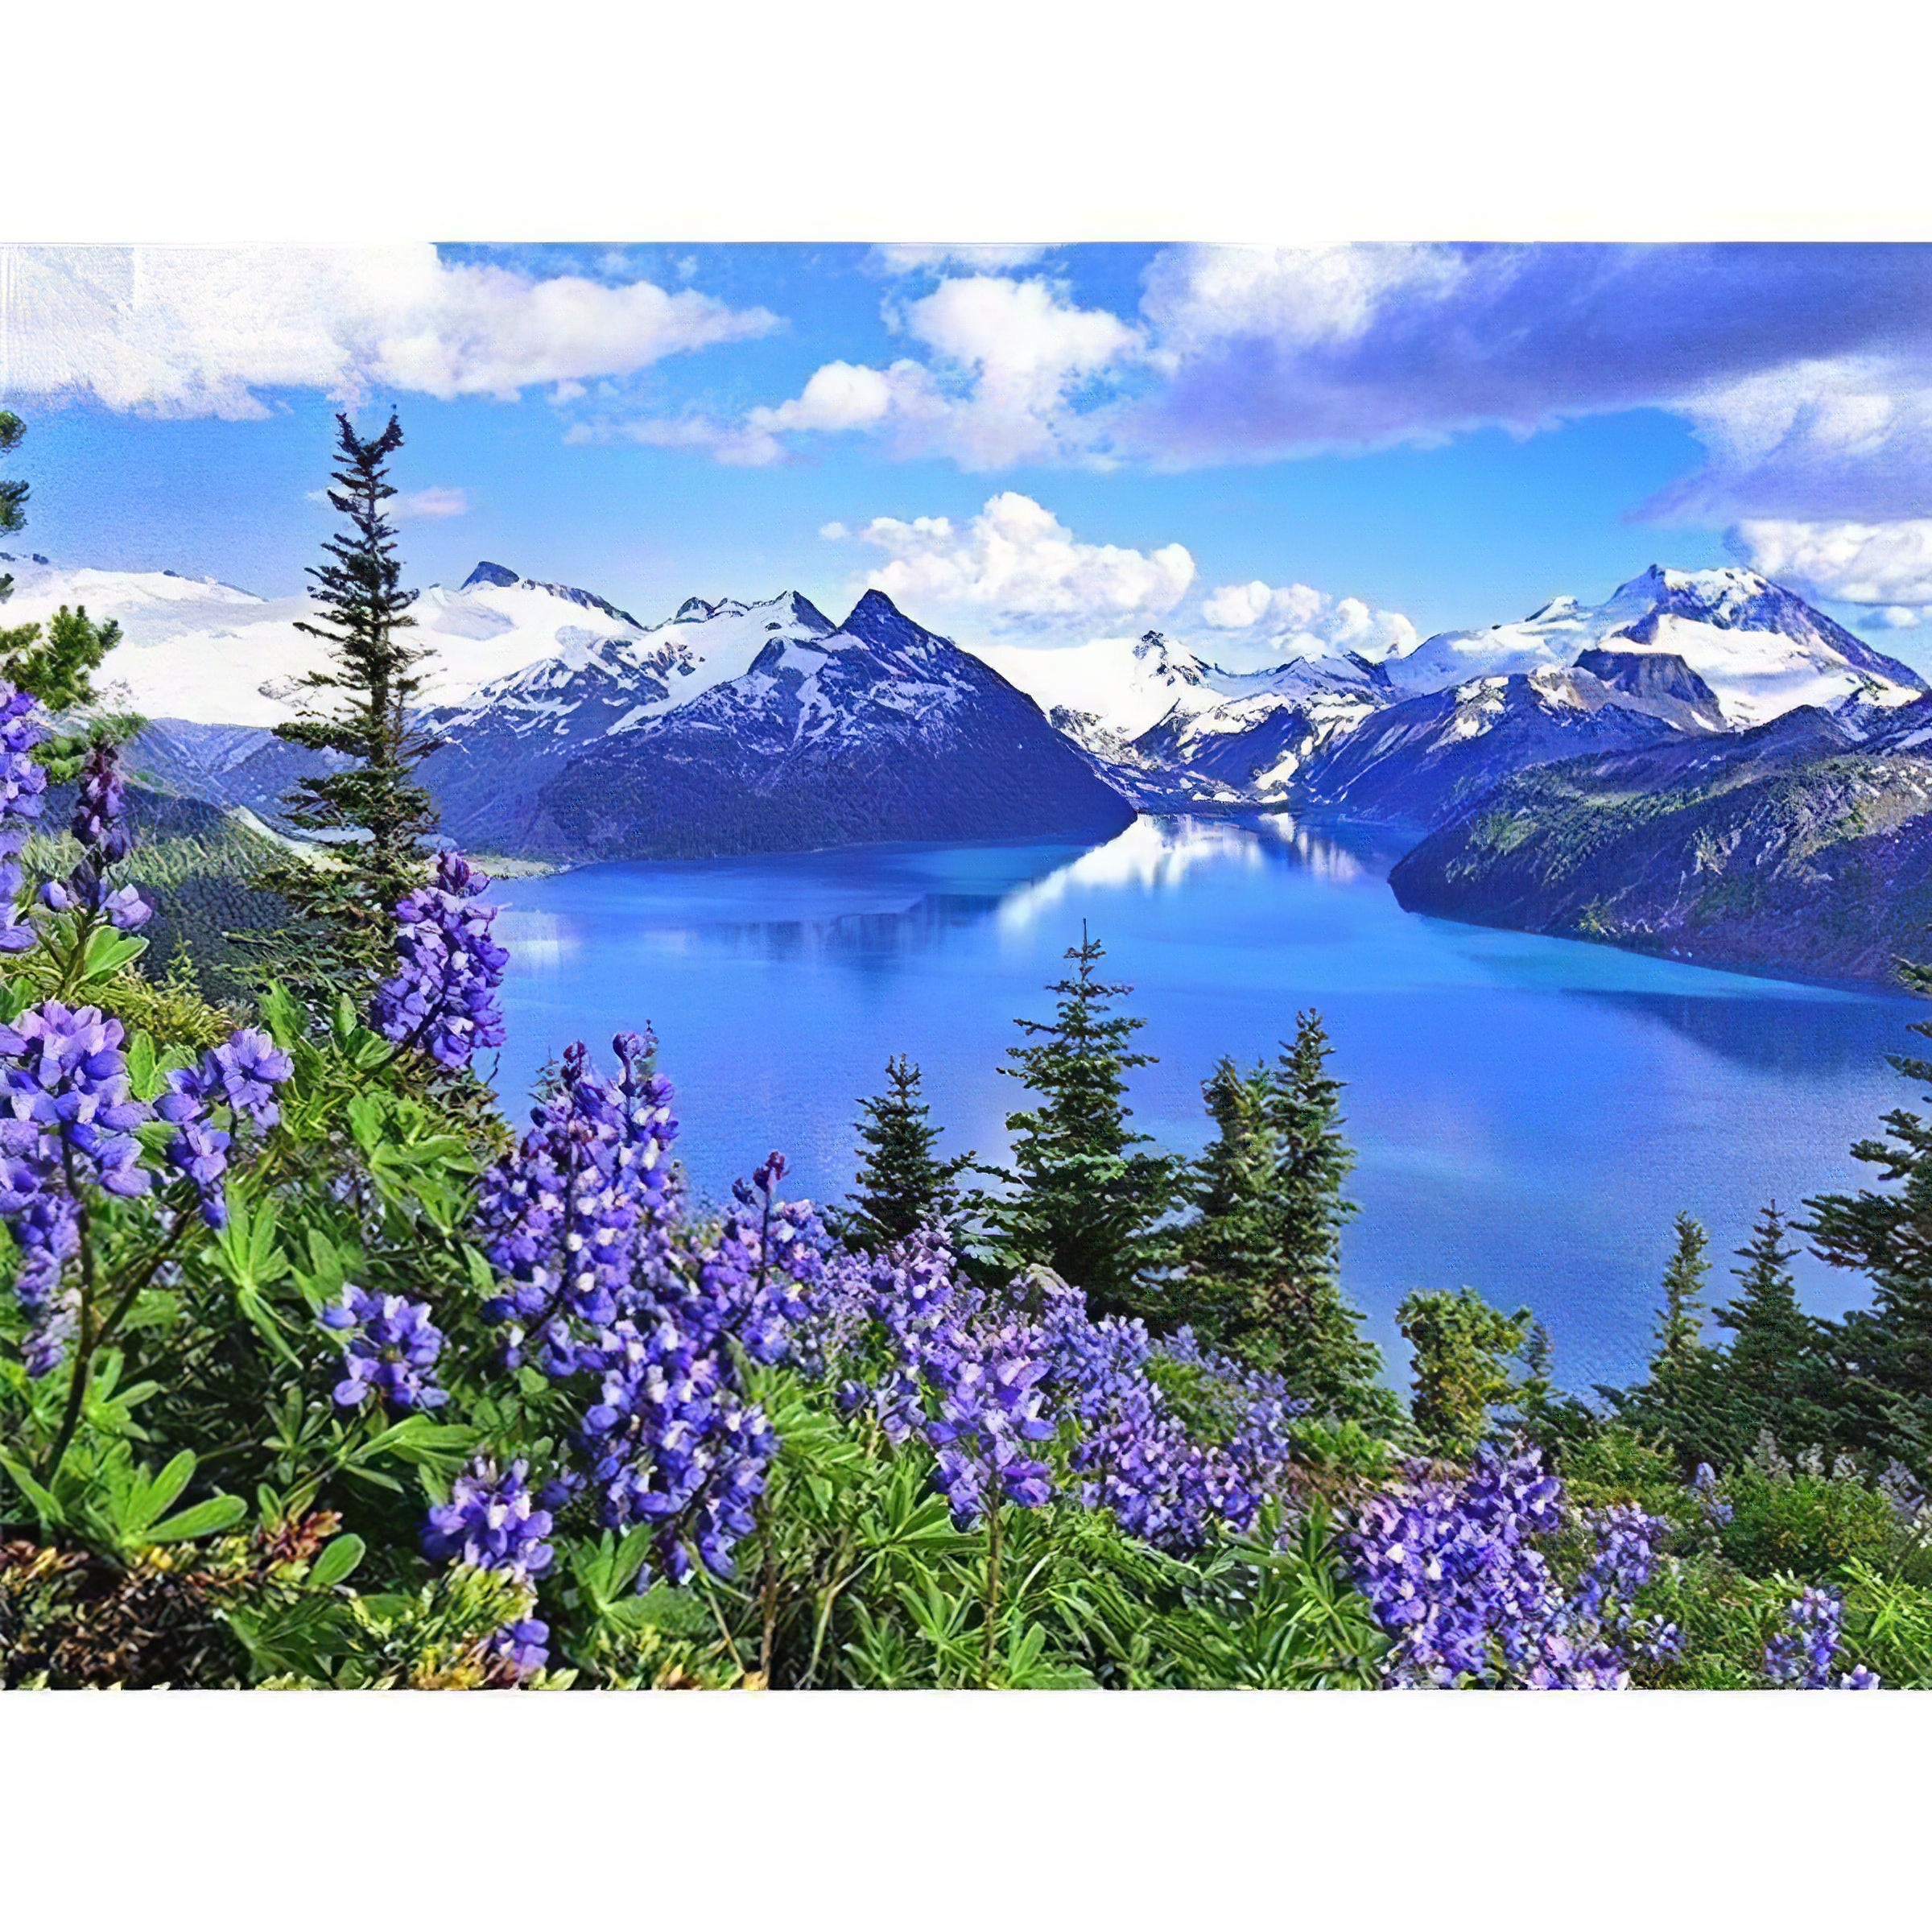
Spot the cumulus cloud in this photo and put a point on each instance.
(1887, 565)
(1297, 620)
(1016, 566)
(1007, 375)
(897, 258)
(190, 332)
(428, 506)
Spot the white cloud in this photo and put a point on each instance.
(1297, 620)
(1885, 564)
(1010, 367)
(983, 258)
(428, 506)
(191, 332)
(1016, 566)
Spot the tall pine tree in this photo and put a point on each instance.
(1228, 1249)
(1776, 1373)
(902, 1185)
(371, 810)
(1683, 1398)
(1459, 1351)
(1300, 1323)
(1086, 1194)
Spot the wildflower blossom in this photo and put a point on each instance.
(492, 1522)
(442, 996)
(1804, 1654)
(390, 1349)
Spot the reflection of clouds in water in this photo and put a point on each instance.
(1157, 855)
(1154, 854)
(1332, 864)
(537, 941)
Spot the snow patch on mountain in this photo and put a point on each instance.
(1761, 649)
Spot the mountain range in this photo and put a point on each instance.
(1543, 767)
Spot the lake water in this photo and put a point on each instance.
(1529, 1113)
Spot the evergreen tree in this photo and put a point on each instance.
(1460, 1348)
(1555, 1421)
(1682, 1400)
(1775, 1375)
(1882, 1355)
(1680, 1327)
(1086, 1194)
(1228, 1250)
(902, 1185)
(373, 812)
(1300, 1323)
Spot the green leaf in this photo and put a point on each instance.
(283, 1017)
(151, 1496)
(337, 1561)
(217, 1513)
(144, 1074)
(45, 1506)
(108, 952)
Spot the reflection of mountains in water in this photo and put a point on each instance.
(1805, 1036)
(1152, 855)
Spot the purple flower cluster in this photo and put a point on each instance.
(22, 784)
(589, 1186)
(671, 1438)
(1453, 1571)
(521, 1649)
(1715, 1510)
(389, 1350)
(984, 1385)
(1804, 1655)
(604, 1290)
(67, 1119)
(99, 825)
(492, 1522)
(443, 997)
(242, 1074)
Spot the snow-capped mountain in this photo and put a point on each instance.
(1163, 723)
(761, 728)
(1427, 759)
(204, 652)
(1761, 649)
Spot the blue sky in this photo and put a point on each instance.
(1362, 442)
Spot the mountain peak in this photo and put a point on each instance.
(494, 575)
(878, 621)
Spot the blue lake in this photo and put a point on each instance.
(1529, 1113)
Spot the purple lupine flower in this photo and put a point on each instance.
(21, 781)
(1859, 1679)
(17, 935)
(491, 1522)
(605, 1294)
(99, 823)
(443, 997)
(1453, 1572)
(1802, 1655)
(66, 1115)
(390, 1349)
(520, 1650)
(1716, 1512)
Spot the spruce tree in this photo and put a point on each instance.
(1775, 1375)
(902, 1185)
(1228, 1250)
(1680, 1326)
(1683, 1398)
(1300, 1323)
(371, 810)
(1086, 1194)
(1459, 1350)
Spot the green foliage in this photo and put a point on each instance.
(1801, 1522)
(1086, 1197)
(1459, 1346)
(902, 1185)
